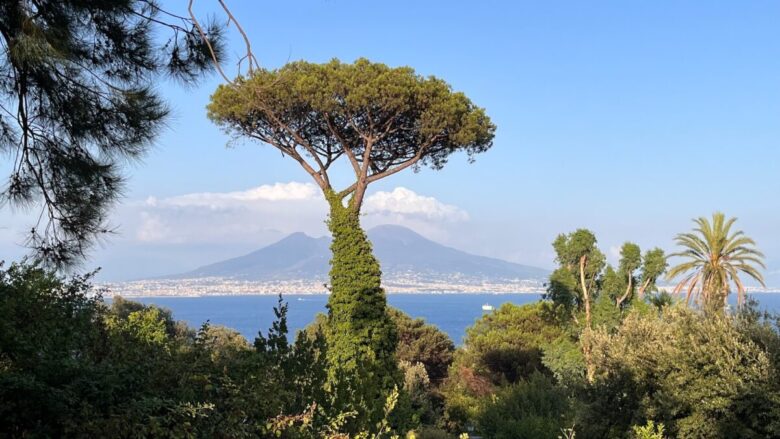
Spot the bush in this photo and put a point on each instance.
(419, 342)
(70, 366)
(696, 374)
(502, 348)
(507, 345)
(532, 408)
(648, 431)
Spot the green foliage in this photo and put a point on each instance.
(661, 300)
(419, 342)
(605, 314)
(648, 431)
(294, 373)
(425, 406)
(581, 262)
(630, 258)
(72, 367)
(503, 347)
(531, 408)
(715, 258)
(43, 323)
(696, 374)
(507, 344)
(361, 336)
(562, 290)
(613, 283)
(630, 261)
(431, 433)
(565, 360)
(654, 265)
(76, 80)
(315, 424)
(334, 109)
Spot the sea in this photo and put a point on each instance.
(452, 313)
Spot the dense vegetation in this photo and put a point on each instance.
(643, 365)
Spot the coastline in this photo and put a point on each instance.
(199, 287)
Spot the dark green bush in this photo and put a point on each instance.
(534, 408)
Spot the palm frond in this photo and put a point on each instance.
(714, 258)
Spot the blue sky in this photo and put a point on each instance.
(628, 118)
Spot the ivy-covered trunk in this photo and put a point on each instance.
(361, 337)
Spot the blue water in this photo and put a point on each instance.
(452, 313)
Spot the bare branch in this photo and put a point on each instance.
(249, 56)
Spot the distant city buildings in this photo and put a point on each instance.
(217, 286)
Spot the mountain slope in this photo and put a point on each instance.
(401, 252)
(297, 256)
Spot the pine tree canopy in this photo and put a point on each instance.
(382, 119)
(76, 103)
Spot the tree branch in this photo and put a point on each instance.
(321, 180)
(208, 43)
(231, 18)
(250, 57)
(301, 141)
(344, 146)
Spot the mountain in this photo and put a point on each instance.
(297, 256)
(401, 252)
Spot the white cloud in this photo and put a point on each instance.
(266, 213)
(292, 191)
(257, 215)
(404, 202)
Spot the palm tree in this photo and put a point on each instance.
(715, 258)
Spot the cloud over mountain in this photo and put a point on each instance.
(404, 202)
(268, 212)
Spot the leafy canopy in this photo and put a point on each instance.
(581, 262)
(654, 264)
(630, 258)
(381, 119)
(694, 373)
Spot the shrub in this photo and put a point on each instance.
(697, 374)
(532, 408)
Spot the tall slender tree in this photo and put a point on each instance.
(714, 257)
(581, 264)
(77, 102)
(380, 120)
(578, 254)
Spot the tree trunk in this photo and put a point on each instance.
(641, 292)
(628, 291)
(585, 337)
(585, 296)
(361, 337)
